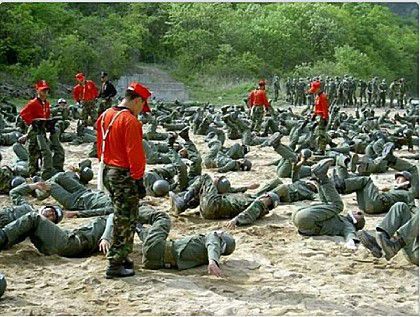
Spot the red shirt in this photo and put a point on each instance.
(321, 106)
(124, 143)
(260, 98)
(85, 93)
(35, 109)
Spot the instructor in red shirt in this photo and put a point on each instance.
(120, 150)
(86, 93)
(34, 114)
(320, 113)
(259, 105)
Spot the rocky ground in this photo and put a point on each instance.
(274, 271)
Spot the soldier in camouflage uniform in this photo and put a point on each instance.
(20, 206)
(49, 238)
(184, 253)
(383, 89)
(216, 198)
(300, 92)
(392, 92)
(362, 91)
(276, 87)
(325, 218)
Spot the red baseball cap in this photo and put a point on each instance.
(315, 86)
(41, 85)
(80, 76)
(142, 91)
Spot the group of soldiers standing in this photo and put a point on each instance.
(126, 136)
(346, 91)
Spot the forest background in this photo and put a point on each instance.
(209, 46)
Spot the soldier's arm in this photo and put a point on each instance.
(95, 212)
(214, 247)
(107, 235)
(250, 214)
(18, 193)
(242, 189)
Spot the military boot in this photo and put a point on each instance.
(171, 139)
(320, 169)
(342, 160)
(369, 242)
(390, 246)
(353, 162)
(128, 264)
(184, 134)
(178, 203)
(387, 152)
(115, 269)
(339, 183)
(274, 140)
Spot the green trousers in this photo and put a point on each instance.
(125, 200)
(257, 115)
(50, 239)
(404, 221)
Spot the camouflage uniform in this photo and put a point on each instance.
(125, 199)
(20, 206)
(89, 112)
(370, 199)
(181, 254)
(50, 239)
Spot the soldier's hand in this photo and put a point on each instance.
(104, 246)
(231, 224)
(253, 186)
(71, 214)
(214, 269)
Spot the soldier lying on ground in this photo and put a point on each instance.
(399, 229)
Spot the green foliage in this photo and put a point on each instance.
(233, 41)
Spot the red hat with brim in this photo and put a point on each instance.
(80, 76)
(315, 86)
(141, 91)
(41, 85)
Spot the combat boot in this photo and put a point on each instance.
(342, 160)
(117, 270)
(339, 183)
(171, 139)
(128, 264)
(387, 152)
(369, 242)
(178, 204)
(353, 162)
(275, 139)
(184, 134)
(390, 246)
(320, 169)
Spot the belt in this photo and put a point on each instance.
(168, 257)
(116, 167)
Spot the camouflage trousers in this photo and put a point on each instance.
(39, 148)
(257, 114)
(321, 134)
(125, 200)
(89, 113)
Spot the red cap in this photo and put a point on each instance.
(80, 76)
(315, 86)
(143, 92)
(41, 85)
(261, 82)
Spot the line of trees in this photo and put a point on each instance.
(226, 40)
